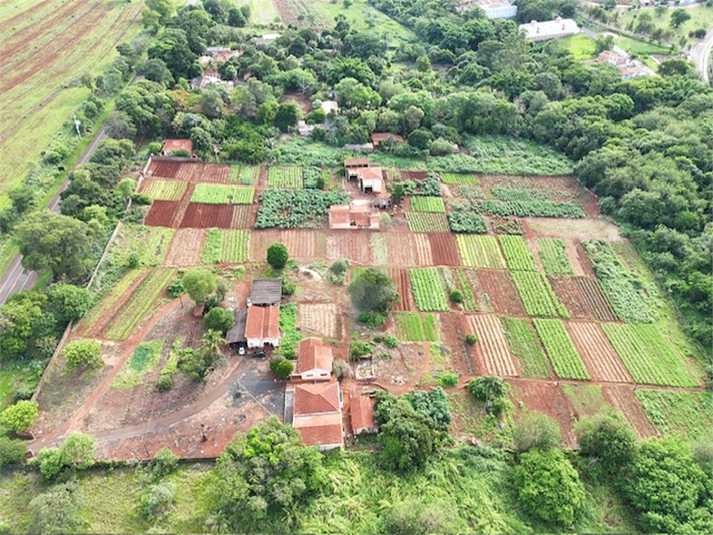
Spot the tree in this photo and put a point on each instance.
(264, 475)
(675, 67)
(156, 70)
(277, 256)
(406, 436)
(64, 245)
(549, 487)
(352, 94)
(84, 354)
(609, 439)
(219, 319)
(211, 104)
(57, 510)
(199, 284)
(236, 18)
(287, 116)
(19, 417)
(679, 16)
(77, 452)
(12, 451)
(537, 431)
(118, 125)
(492, 391)
(29, 330)
(284, 369)
(69, 302)
(373, 291)
(172, 48)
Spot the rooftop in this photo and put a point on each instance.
(312, 399)
(266, 292)
(313, 354)
(356, 162)
(237, 333)
(262, 323)
(320, 430)
(362, 409)
(549, 28)
(370, 173)
(171, 145)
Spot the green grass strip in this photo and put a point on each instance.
(525, 345)
(560, 348)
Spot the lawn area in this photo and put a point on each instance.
(580, 45)
(640, 48)
(363, 17)
(261, 11)
(701, 17)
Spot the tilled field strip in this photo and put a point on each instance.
(596, 351)
(492, 346)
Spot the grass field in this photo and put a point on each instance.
(687, 413)
(701, 17)
(581, 46)
(362, 17)
(68, 38)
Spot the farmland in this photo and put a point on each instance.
(459, 178)
(517, 254)
(225, 247)
(428, 204)
(480, 251)
(165, 190)
(285, 177)
(491, 349)
(537, 295)
(554, 258)
(409, 327)
(427, 222)
(222, 194)
(689, 414)
(560, 349)
(525, 346)
(429, 290)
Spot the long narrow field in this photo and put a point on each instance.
(526, 347)
(560, 349)
(491, 350)
(46, 48)
(480, 251)
(598, 354)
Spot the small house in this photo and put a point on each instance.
(362, 413)
(353, 216)
(170, 146)
(262, 326)
(549, 29)
(265, 292)
(317, 414)
(378, 138)
(314, 360)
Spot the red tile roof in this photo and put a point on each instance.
(370, 173)
(362, 409)
(170, 145)
(356, 162)
(311, 399)
(263, 322)
(321, 430)
(378, 138)
(339, 214)
(314, 355)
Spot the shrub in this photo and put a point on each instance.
(277, 255)
(219, 319)
(471, 339)
(359, 349)
(288, 287)
(492, 391)
(165, 383)
(448, 379)
(537, 431)
(175, 288)
(284, 369)
(12, 451)
(19, 417)
(83, 354)
(373, 291)
(456, 296)
(341, 370)
(156, 499)
(372, 320)
(339, 267)
(389, 341)
(608, 438)
(164, 462)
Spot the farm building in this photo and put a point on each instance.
(172, 145)
(236, 335)
(549, 29)
(351, 164)
(378, 138)
(265, 292)
(316, 413)
(354, 216)
(329, 106)
(367, 175)
(205, 81)
(314, 361)
(362, 412)
(262, 327)
(612, 58)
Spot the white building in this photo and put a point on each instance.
(549, 29)
(497, 9)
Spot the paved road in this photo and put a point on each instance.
(16, 278)
(701, 55)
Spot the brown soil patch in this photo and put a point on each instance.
(414, 175)
(300, 243)
(567, 293)
(403, 285)
(622, 397)
(201, 215)
(186, 247)
(422, 247)
(501, 291)
(243, 216)
(580, 229)
(404, 365)
(492, 352)
(453, 334)
(320, 318)
(161, 213)
(591, 294)
(596, 351)
(572, 251)
(354, 245)
(444, 249)
(300, 99)
(400, 250)
(546, 397)
(164, 168)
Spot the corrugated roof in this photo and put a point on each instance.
(313, 354)
(362, 409)
(262, 322)
(266, 292)
(170, 145)
(316, 398)
(237, 333)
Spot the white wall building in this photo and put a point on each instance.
(497, 9)
(549, 29)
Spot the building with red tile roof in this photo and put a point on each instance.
(378, 138)
(314, 360)
(262, 326)
(317, 414)
(362, 412)
(172, 145)
(353, 216)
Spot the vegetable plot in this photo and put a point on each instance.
(530, 208)
(288, 177)
(408, 327)
(537, 295)
(517, 253)
(459, 178)
(685, 413)
(426, 222)
(428, 204)
(296, 208)
(525, 345)
(429, 290)
(222, 194)
(480, 251)
(165, 190)
(225, 247)
(563, 355)
(554, 258)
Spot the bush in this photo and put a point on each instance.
(19, 417)
(84, 354)
(448, 379)
(57, 511)
(456, 296)
(372, 320)
(165, 383)
(537, 431)
(165, 462)
(277, 256)
(341, 370)
(175, 288)
(359, 349)
(219, 319)
(12, 451)
(389, 341)
(492, 391)
(288, 287)
(339, 267)
(608, 438)
(471, 339)
(156, 499)
(284, 369)
(373, 291)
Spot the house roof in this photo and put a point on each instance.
(549, 28)
(362, 409)
(377, 138)
(170, 145)
(370, 173)
(339, 214)
(313, 354)
(312, 399)
(237, 333)
(266, 292)
(356, 162)
(262, 323)
(320, 430)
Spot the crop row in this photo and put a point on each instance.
(554, 258)
(459, 178)
(467, 222)
(426, 222)
(622, 288)
(430, 328)
(225, 247)
(288, 177)
(109, 301)
(429, 290)
(408, 327)
(222, 194)
(537, 295)
(468, 297)
(428, 204)
(647, 355)
(296, 208)
(563, 355)
(687, 413)
(530, 208)
(513, 194)
(140, 304)
(480, 251)
(248, 174)
(525, 345)
(165, 190)
(517, 253)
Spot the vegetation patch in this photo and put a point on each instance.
(165, 190)
(689, 414)
(297, 208)
(225, 247)
(480, 251)
(408, 327)
(554, 258)
(517, 253)
(142, 360)
(222, 194)
(514, 194)
(287, 177)
(430, 328)
(469, 301)
(537, 295)
(429, 289)
(525, 346)
(459, 179)
(427, 222)
(428, 204)
(466, 220)
(530, 208)
(290, 335)
(503, 155)
(563, 355)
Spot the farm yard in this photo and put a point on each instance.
(528, 297)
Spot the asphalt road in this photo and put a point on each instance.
(701, 54)
(16, 278)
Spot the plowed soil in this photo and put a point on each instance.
(598, 355)
(444, 249)
(164, 168)
(243, 216)
(501, 291)
(591, 294)
(566, 291)
(422, 247)
(622, 397)
(403, 285)
(186, 247)
(414, 175)
(354, 245)
(200, 215)
(400, 250)
(300, 243)
(453, 334)
(161, 213)
(320, 318)
(491, 353)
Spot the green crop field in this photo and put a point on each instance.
(525, 345)
(288, 177)
(517, 253)
(225, 247)
(517, 194)
(408, 327)
(428, 204)
(648, 356)
(560, 348)
(430, 328)
(469, 301)
(113, 297)
(148, 245)
(222, 194)
(529, 208)
(537, 295)
(427, 222)
(554, 258)
(480, 251)
(429, 290)
(459, 178)
(248, 174)
(165, 190)
(689, 414)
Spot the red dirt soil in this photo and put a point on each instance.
(622, 397)
(591, 294)
(243, 217)
(501, 291)
(444, 249)
(453, 334)
(599, 356)
(422, 248)
(161, 213)
(403, 285)
(186, 246)
(567, 293)
(201, 215)
(400, 250)
(492, 352)
(354, 245)
(414, 175)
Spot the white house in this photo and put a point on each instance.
(497, 9)
(314, 362)
(262, 326)
(549, 29)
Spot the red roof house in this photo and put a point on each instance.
(263, 326)
(362, 411)
(378, 138)
(317, 415)
(314, 361)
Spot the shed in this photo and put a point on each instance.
(265, 292)
(362, 412)
(262, 327)
(236, 335)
